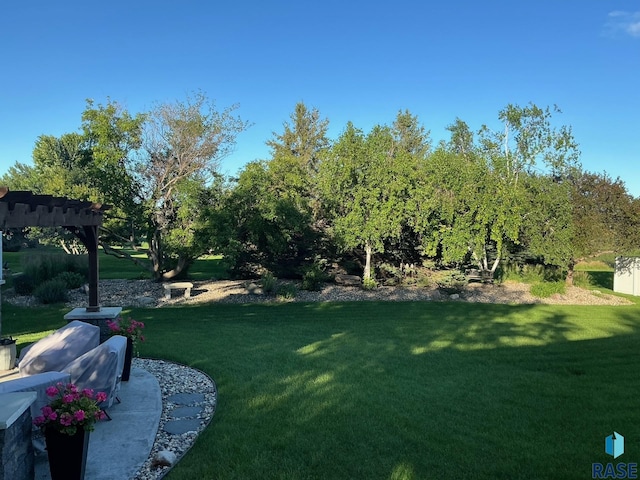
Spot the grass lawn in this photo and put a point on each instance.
(398, 390)
(205, 268)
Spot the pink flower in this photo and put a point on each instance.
(46, 410)
(52, 416)
(66, 419)
(52, 391)
(100, 415)
(68, 398)
(87, 392)
(38, 421)
(113, 326)
(101, 397)
(79, 415)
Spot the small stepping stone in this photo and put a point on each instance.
(178, 427)
(185, 412)
(186, 398)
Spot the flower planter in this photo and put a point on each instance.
(126, 371)
(7, 353)
(67, 453)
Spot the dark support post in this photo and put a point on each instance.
(89, 238)
(91, 234)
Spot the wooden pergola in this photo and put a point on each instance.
(22, 209)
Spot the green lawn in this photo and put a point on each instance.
(398, 390)
(205, 268)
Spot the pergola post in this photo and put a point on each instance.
(89, 238)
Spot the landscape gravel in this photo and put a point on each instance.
(147, 293)
(176, 379)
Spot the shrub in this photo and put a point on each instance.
(530, 273)
(45, 267)
(582, 279)
(546, 289)
(72, 279)
(286, 292)
(268, 282)
(369, 284)
(451, 281)
(313, 278)
(23, 284)
(51, 291)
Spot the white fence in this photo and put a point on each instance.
(626, 278)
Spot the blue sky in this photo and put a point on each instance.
(359, 61)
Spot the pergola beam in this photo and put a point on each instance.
(22, 209)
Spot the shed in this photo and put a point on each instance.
(626, 278)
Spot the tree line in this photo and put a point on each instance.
(387, 196)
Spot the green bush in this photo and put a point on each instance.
(51, 291)
(546, 289)
(530, 273)
(23, 284)
(45, 267)
(582, 279)
(369, 284)
(287, 291)
(268, 282)
(313, 278)
(72, 279)
(451, 281)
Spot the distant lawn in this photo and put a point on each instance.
(205, 268)
(413, 390)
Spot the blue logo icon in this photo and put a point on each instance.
(614, 445)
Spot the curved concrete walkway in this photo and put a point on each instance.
(119, 447)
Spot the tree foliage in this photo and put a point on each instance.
(270, 219)
(386, 195)
(367, 182)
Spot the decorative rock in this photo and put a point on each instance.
(165, 458)
(186, 398)
(185, 412)
(145, 301)
(178, 427)
(254, 289)
(454, 296)
(351, 280)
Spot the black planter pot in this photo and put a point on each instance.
(126, 371)
(67, 454)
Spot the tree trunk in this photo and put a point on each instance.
(367, 264)
(569, 279)
(183, 263)
(155, 253)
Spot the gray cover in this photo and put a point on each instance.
(55, 351)
(35, 383)
(100, 369)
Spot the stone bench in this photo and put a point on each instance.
(186, 286)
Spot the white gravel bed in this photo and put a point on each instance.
(147, 293)
(175, 378)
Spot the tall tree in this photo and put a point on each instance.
(606, 218)
(366, 182)
(183, 145)
(271, 219)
